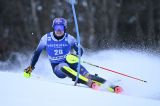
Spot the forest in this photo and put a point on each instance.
(103, 24)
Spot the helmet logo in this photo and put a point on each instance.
(59, 21)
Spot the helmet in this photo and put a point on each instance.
(59, 21)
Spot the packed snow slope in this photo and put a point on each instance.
(44, 88)
(18, 91)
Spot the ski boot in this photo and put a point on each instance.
(95, 78)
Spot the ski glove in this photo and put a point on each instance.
(27, 72)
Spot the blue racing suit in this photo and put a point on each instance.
(57, 51)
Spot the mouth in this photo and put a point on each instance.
(59, 33)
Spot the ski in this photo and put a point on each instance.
(94, 82)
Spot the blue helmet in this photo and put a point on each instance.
(59, 21)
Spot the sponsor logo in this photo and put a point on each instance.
(57, 45)
(57, 58)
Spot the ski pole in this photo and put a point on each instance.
(114, 71)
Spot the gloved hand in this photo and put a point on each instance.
(27, 72)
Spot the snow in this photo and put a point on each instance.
(45, 89)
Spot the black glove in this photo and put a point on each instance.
(27, 72)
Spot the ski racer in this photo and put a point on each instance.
(58, 45)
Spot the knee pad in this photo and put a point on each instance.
(72, 59)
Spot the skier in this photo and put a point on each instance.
(58, 45)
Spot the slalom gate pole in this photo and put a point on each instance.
(114, 71)
(78, 40)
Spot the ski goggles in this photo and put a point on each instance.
(58, 28)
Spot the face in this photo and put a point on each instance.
(59, 30)
(59, 33)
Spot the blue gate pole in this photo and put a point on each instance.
(78, 40)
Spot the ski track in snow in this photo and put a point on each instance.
(137, 64)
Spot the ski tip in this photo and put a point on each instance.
(95, 86)
(118, 89)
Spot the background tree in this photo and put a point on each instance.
(103, 24)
